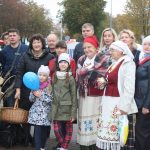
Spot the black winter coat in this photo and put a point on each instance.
(142, 89)
(29, 63)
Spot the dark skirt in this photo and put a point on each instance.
(91, 147)
(130, 145)
(142, 129)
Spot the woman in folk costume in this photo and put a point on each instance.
(118, 98)
(142, 98)
(91, 67)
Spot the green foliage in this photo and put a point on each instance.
(78, 12)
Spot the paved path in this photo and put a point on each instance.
(50, 143)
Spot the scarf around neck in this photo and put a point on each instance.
(62, 75)
(45, 84)
(88, 77)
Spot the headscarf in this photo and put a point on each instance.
(123, 47)
(146, 39)
(92, 40)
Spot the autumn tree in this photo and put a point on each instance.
(11, 14)
(78, 12)
(24, 15)
(37, 19)
(139, 12)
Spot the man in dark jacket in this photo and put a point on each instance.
(87, 30)
(9, 60)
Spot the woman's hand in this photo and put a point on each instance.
(37, 93)
(145, 111)
(17, 94)
(121, 112)
(101, 82)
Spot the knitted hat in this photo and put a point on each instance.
(123, 47)
(64, 57)
(92, 40)
(146, 39)
(44, 69)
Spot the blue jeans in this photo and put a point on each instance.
(40, 136)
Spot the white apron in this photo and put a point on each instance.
(88, 114)
(108, 137)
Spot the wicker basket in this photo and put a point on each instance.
(14, 114)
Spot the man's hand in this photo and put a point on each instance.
(145, 111)
(17, 95)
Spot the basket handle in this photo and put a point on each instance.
(16, 103)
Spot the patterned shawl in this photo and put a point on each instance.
(88, 77)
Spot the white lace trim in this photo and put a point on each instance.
(108, 145)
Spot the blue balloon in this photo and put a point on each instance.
(31, 81)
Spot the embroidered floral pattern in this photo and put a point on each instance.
(88, 125)
(114, 115)
(99, 120)
(113, 123)
(111, 128)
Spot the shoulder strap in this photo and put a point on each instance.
(14, 60)
(142, 61)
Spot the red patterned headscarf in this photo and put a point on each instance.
(92, 40)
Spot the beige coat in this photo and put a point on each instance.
(126, 86)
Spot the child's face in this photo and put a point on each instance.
(63, 65)
(43, 77)
(60, 50)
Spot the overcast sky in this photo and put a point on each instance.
(51, 5)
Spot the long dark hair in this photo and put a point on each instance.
(54, 78)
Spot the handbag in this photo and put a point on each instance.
(8, 136)
(12, 134)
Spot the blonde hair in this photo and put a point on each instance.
(102, 44)
(131, 35)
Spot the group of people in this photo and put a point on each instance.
(102, 81)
